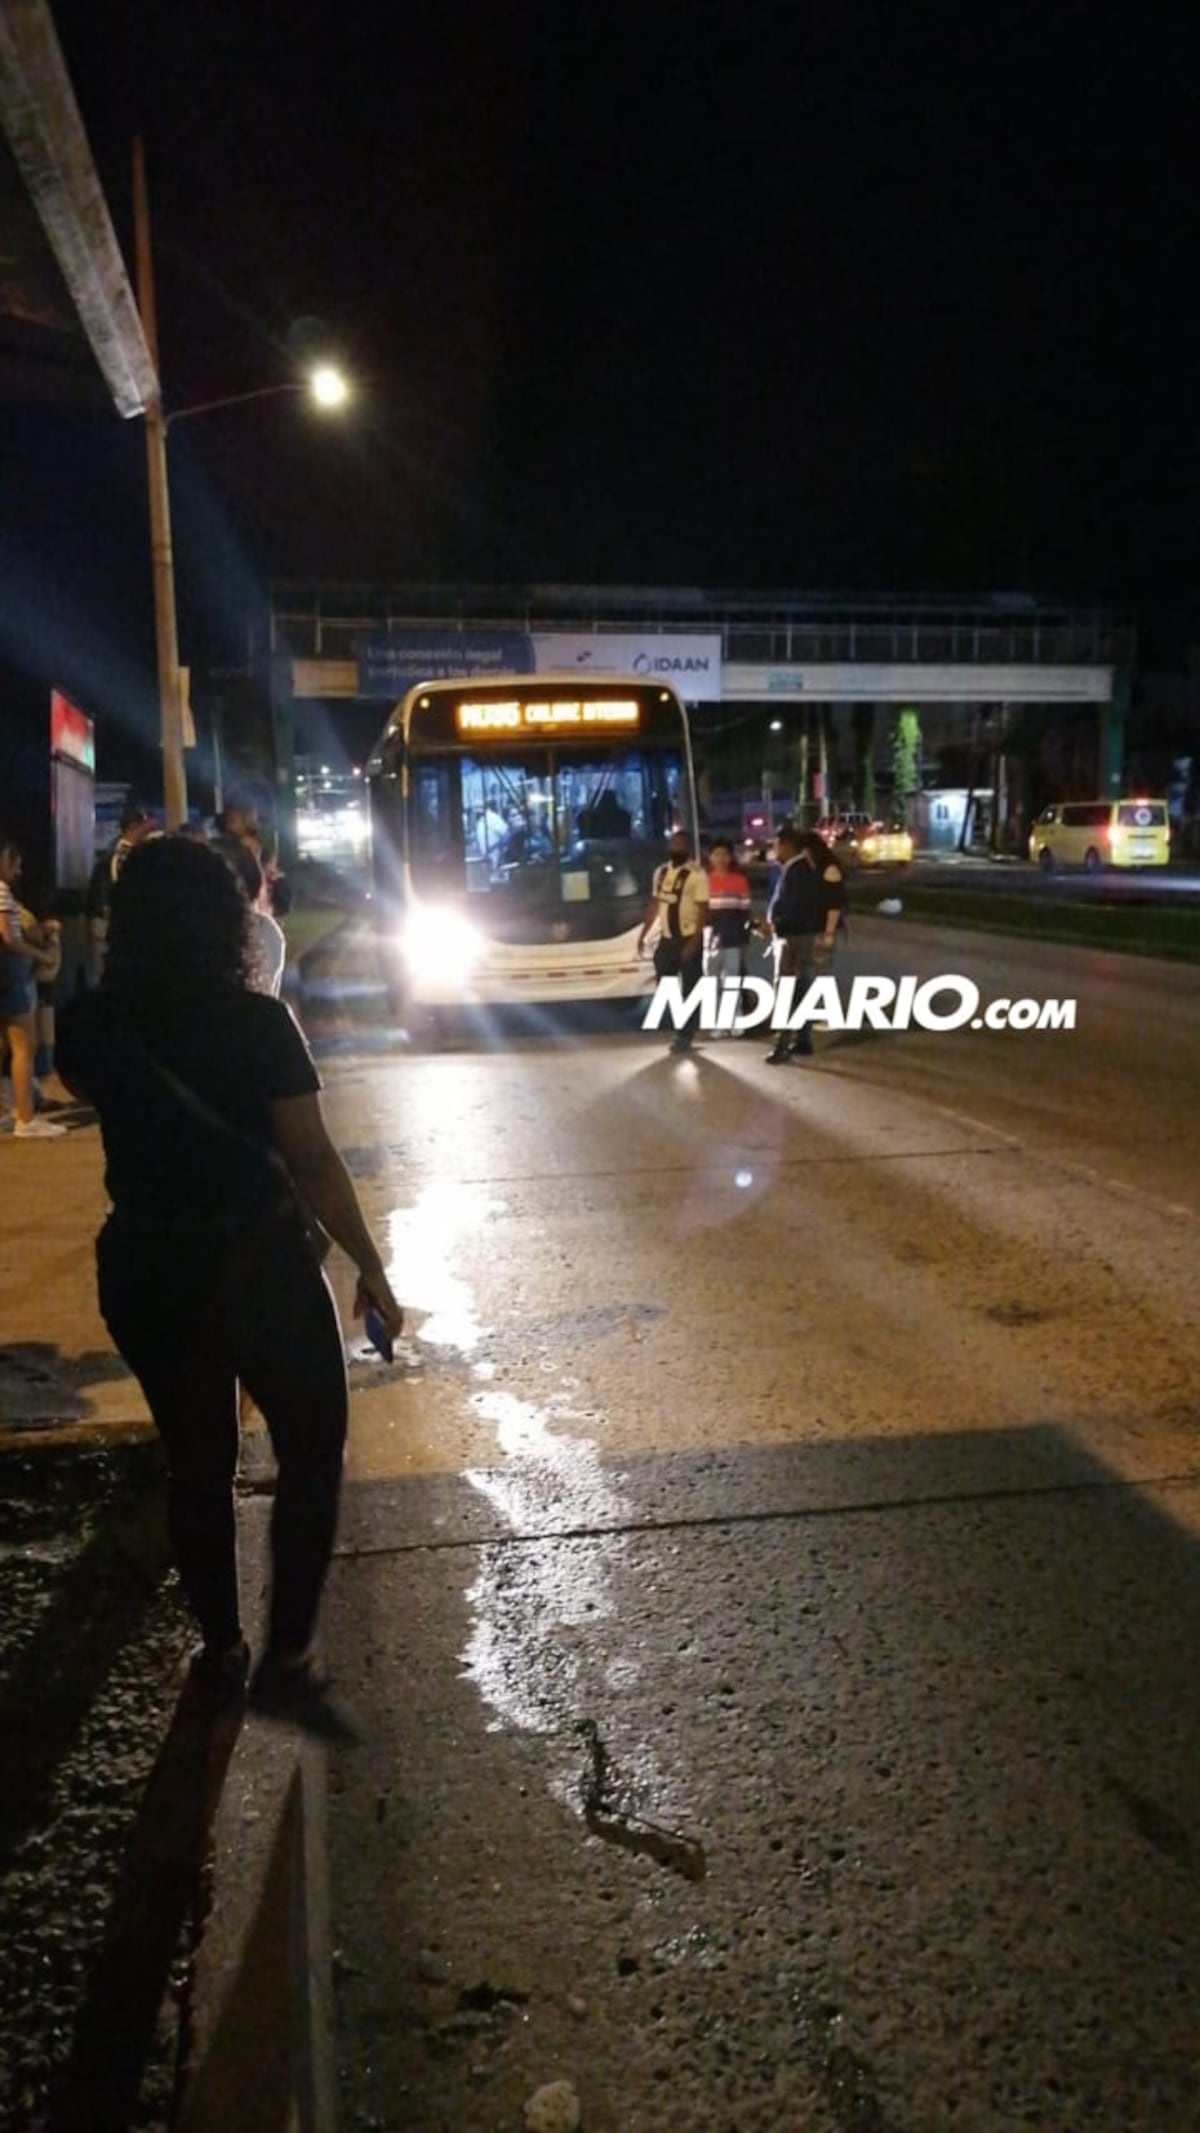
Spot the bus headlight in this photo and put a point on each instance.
(442, 944)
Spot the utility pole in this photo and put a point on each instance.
(804, 811)
(175, 804)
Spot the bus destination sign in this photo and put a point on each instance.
(548, 714)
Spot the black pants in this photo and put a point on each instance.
(798, 959)
(681, 959)
(195, 1313)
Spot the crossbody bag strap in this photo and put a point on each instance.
(209, 1116)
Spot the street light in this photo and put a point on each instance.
(327, 387)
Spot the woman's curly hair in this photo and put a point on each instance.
(180, 925)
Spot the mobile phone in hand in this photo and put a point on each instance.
(377, 1332)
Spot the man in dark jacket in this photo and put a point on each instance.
(805, 910)
(136, 826)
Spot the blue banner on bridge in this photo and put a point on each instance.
(389, 662)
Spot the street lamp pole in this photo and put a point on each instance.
(326, 386)
(170, 710)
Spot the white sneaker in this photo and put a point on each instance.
(37, 1128)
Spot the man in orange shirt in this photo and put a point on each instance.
(729, 916)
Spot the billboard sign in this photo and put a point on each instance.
(689, 665)
(72, 733)
(391, 661)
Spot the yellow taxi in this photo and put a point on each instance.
(864, 843)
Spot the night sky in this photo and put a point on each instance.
(809, 296)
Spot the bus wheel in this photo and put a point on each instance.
(1091, 860)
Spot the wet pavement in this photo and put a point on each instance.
(816, 1816)
(768, 1583)
(767, 1577)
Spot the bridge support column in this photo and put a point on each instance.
(283, 751)
(1113, 718)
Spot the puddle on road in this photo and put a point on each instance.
(424, 1243)
(529, 1605)
(544, 1649)
(521, 1602)
(533, 1653)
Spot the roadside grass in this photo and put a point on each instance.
(1168, 930)
(307, 925)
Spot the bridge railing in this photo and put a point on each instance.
(1056, 637)
(932, 644)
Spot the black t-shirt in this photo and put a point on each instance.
(804, 898)
(236, 1051)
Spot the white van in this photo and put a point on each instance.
(1101, 833)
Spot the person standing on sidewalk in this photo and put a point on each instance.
(20, 962)
(729, 918)
(269, 937)
(804, 914)
(679, 903)
(47, 935)
(217, 1157)
(135, 826)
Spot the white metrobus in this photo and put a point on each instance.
(515, 827)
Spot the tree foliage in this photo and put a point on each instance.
(906, 756)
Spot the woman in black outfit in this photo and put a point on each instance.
(216, 1153)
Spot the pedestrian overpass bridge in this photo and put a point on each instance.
(356, 641)
(334, 643)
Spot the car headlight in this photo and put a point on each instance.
(442, 944)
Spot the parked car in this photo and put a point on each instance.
(885, 845)
(1101, 833)
(861, 840)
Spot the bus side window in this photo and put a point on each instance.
(431, 818)
(664, 786)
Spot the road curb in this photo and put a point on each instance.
(261, 2034)
(260, 2045)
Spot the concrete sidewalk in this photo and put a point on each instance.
(59, 1373)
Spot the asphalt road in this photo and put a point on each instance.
(768, 1576)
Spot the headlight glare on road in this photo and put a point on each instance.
(441, 944)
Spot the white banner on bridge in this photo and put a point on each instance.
(967, 682)
(690, 665)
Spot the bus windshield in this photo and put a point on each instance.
(525, 829)
(527, 813)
